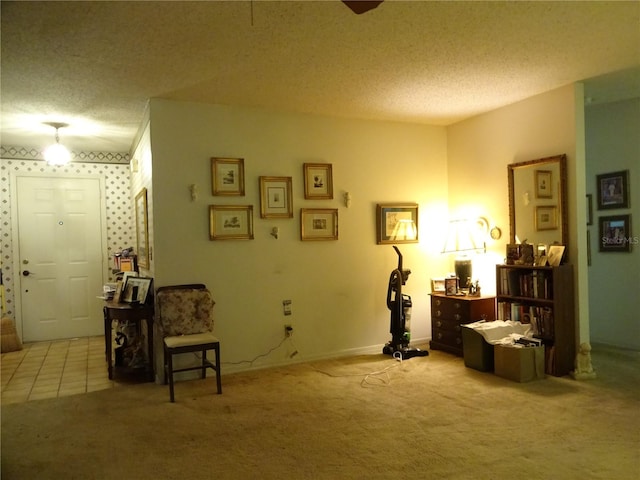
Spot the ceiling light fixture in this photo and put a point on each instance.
(57, 154)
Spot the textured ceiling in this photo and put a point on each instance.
(95, 64)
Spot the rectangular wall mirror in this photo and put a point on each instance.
(538, 201)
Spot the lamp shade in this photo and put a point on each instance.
(462, 238)
(57, 154)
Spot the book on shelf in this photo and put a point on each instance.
(530, 284)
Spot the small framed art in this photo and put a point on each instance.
(397, 223)
(615, 233)
(318, 224)
(556, 252)
(231, 222)
(613, 190)
(318, 181)
(117, 295)
(136, 289)
(544, 187)
(227, 176)
(275, 197)
(451, 286)
(437, 285)
(546, 218)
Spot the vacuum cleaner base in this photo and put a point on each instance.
(405, 352)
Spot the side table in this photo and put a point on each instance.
(448, 312)
(135, 314)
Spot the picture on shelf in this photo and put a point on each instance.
(556, 252)
(451, 285)
(136, 289)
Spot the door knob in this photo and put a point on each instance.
(26, 273)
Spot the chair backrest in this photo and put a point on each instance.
(184, 309)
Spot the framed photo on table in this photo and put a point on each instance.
(318, 181)
(227, 176)
(136, 289)
(275, 197)
(613, 190)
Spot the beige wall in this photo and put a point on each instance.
(338, 288)
(479, 150)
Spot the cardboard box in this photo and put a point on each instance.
(520, 364)
(477, 352)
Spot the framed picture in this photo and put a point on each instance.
(231, 222)
(615, 233)
(613, 190)
(437, 285)
(397, 223)
(546, 218)
(318, 181)
(556, 252)
(128, 264)
(142, 229)
(275, 197)
(117, 295)
(136, 289)
(588, 248)
(589, 209)
(318, 224)
(227, 176)
(544, 187)
(451, 286)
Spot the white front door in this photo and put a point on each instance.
(61, 257)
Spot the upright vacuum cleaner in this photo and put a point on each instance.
(400, 306)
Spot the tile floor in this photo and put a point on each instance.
(54, 369)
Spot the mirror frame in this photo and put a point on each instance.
(564, 219)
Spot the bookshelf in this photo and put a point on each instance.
(542, 296)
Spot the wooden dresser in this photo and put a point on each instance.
(449, 312)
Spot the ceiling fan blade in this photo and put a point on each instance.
(359, 7)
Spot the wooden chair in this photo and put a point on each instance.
(185, 317)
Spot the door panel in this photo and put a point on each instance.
(60, 241)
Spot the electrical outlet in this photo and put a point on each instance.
(288, 330)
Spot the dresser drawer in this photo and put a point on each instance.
(446, 324)
(450, 338)
(448, 313)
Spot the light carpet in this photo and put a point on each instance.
(427, 417)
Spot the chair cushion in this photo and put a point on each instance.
(185, 311)
(189, 340)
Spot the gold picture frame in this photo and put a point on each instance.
(396, 223)
(544, 187)
(318, 224)
(437, 285)
(318, 181)
(231, 222)
(227, 176)
(142, 229)
(546, 218)
(276, 197)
